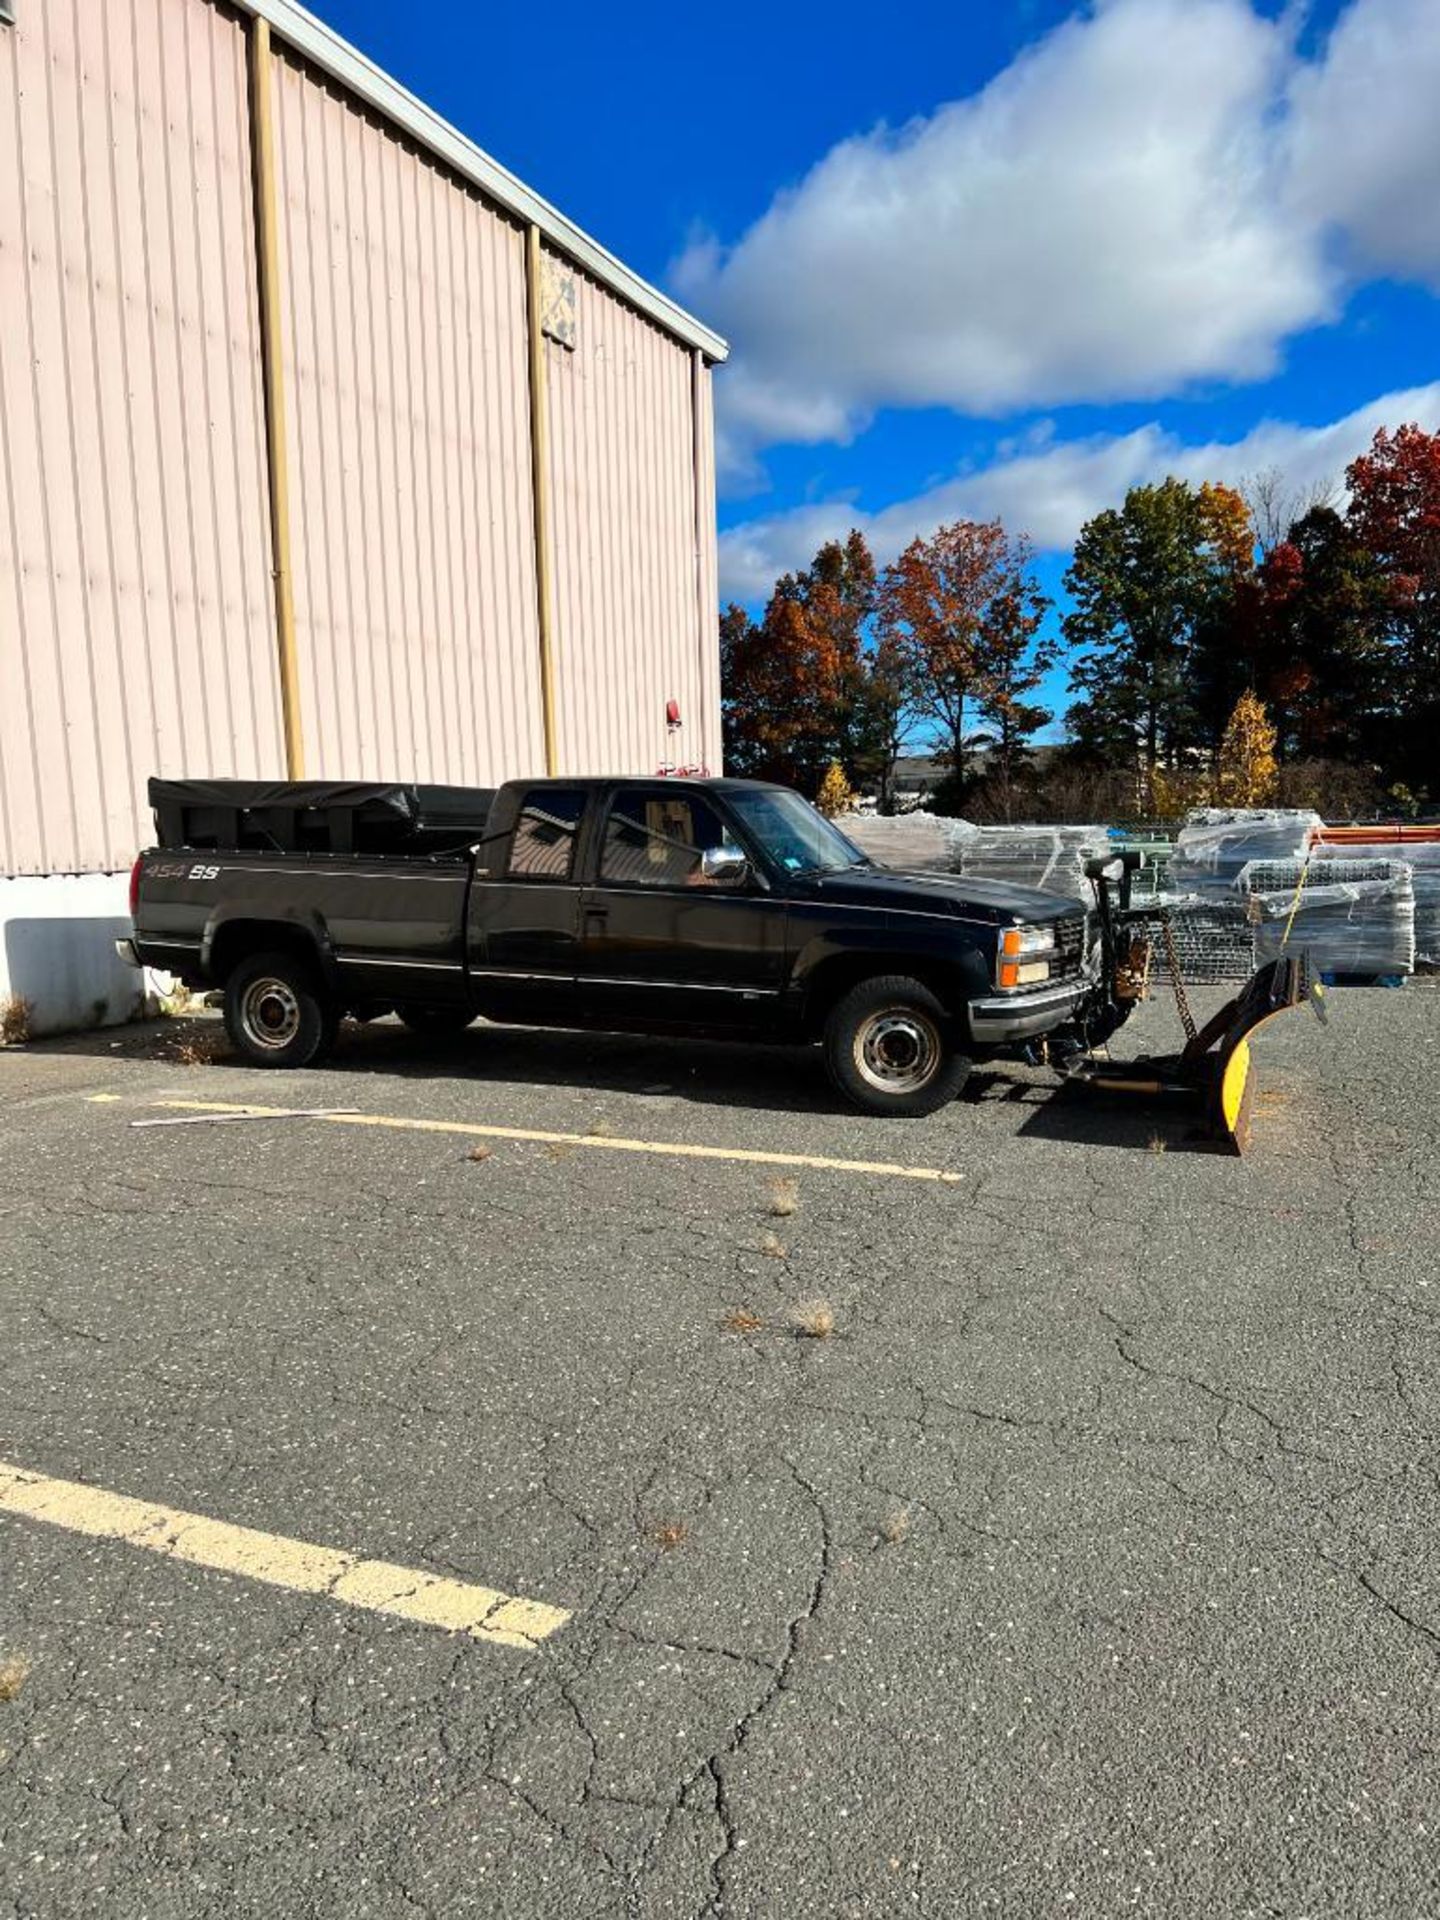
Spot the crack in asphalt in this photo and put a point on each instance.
(947, 1396)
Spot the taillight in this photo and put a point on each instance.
(135, 885)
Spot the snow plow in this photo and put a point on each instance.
(1212, 1072)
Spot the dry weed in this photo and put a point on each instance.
(481, 1152)
(16, 1015)
(895, 1526)
(202, 1047)
(741, 1320)
(812, 1320)
(670, 1535)
(784, 1197)
(13, 1674)
(1159, 1144)
(773, 1247)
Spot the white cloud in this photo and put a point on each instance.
(1365, 136)
(1142, 200)
(1051, 489)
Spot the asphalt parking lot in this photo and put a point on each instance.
(1034, 1515)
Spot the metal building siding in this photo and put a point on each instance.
(407, 401)
(622, 474)
(136, 624)
(708, 569)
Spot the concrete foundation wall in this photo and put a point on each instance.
(57, 953)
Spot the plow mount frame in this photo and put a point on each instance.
(1212, 1071)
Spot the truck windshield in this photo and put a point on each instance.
(794, 835)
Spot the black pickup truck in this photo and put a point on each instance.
(709, 907)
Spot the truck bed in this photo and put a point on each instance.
(382, 923)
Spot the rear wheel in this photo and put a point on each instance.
(277, 1013)
(435, 1022)
(888, 1047)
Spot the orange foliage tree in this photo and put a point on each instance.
(959, 612)
(804, 687)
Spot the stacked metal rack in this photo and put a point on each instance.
(1352, 917)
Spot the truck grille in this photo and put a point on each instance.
(1070, 946)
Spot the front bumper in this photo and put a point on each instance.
(1001, 1018)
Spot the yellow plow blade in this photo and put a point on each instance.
(1271, 990)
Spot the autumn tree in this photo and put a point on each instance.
(796, 686)
(836, 795)
(1314, 640)
(1394, 512)
(1152, 585)
(1245, 767)
(959, 613)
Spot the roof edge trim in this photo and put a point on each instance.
(324, 48)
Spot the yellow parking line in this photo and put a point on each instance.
(602, 1142)
(426, 1598)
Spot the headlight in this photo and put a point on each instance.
(1019, 962)
(1020, 943)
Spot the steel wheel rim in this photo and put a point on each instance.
(898, 1050)
(270, 1014)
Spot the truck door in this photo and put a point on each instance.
(660, 943)
(524, 916)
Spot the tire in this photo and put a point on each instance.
(434, 1023)
(277, 1013)
(888, 1047)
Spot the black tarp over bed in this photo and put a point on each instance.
(319, 816)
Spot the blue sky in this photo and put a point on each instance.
(987, 258)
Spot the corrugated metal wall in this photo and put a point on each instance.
(708, 566)
(136, 629)
(137, 618)
(408, 406)
(622, 469)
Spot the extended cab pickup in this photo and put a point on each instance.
(710, 907)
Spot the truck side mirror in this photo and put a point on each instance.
(724, 866)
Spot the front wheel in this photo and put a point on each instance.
(277, 1013)
(887, 1045)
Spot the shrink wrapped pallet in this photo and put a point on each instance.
(904, 840)
(1050, 858)
(1350, 916)
(1217, 842)
(1423, 859)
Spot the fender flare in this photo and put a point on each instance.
(310, 924)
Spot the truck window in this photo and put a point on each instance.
(794, 835)
(543, 843)
(656, 839)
